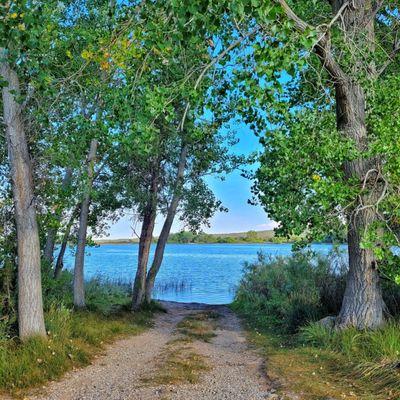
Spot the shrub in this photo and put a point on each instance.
(287, 292)
(105, 296)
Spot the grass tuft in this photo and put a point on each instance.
(178, 364)
(199, 326)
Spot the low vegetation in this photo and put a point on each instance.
(282, 300)
(178, 364)
(240, 237)
(199, 326)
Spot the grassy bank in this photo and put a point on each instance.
(74, 337)
(281, 299)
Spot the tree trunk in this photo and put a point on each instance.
(362, 305)
(162, 240)
(79, 282)
(146, 236)
(30, 302)
(48, 254)
(60, 259)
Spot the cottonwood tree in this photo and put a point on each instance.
(79, 124)
(325, 160)
(164, 77)
(308, 82)
(205, 152)
(23, 52)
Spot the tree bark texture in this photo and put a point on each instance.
(162, 240)
(146, 236)
(30, 302)
(79, 281)
(362, 305)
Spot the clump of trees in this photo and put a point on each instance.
(312, 80)
(112, 106)
(104, 106)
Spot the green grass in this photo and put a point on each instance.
(314, 373)
(371, 356)
(73, 339)
(281, 297)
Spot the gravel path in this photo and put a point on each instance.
(235, 373)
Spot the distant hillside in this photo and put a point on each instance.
(190, 237)
(269, 234)
(235, 237)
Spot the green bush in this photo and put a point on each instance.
(287, 292)
(105, 296)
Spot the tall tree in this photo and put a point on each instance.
(336, 57)
(169, 219)
(30, 303)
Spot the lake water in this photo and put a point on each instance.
(204, 273)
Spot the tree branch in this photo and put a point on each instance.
(375, 9)
(321, 47)
(212, 63)
(392, 55)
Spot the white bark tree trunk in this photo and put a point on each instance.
(30, 302)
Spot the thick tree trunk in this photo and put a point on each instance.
(162, 240)
(146, 236)
(79, 282)
(30, 303)
(362, 305)
(60, 258)
(48, 253)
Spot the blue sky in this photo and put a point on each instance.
(234, 192)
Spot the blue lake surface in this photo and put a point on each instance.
(206, 273)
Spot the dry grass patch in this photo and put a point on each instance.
(199, 326)
(178, 364)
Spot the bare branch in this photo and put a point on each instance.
(375, 9)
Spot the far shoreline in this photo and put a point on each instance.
(111, 242)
